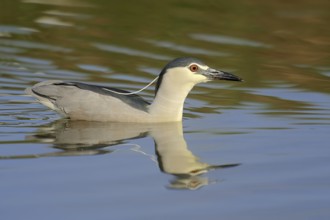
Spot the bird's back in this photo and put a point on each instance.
(82, 101)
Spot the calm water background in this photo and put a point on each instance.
(272, 130)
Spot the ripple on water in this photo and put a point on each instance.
(53, 21)
(222, 39)
(4, 49)
(77, 16)
(8, 30)
(71, 3)
(33, 45)
(130, 51)
(95, 68)
(186, 49)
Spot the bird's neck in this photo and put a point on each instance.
(169, 101)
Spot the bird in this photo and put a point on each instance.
(83, 101)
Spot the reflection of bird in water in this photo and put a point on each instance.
(175, 158)
(76, 138)
(80, 101)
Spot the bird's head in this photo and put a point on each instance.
(187, 70)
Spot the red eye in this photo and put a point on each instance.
(193, 68)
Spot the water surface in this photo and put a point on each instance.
(252, 150)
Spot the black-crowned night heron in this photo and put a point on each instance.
(80, 101)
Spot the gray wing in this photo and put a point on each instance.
(132, 99)
(49, 91)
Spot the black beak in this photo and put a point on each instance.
(221, 75)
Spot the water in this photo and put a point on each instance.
(251, 150)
